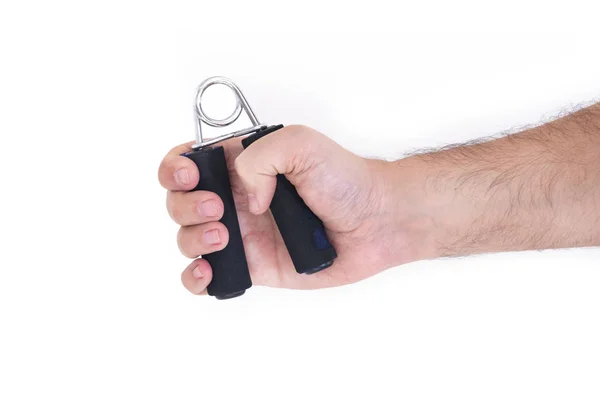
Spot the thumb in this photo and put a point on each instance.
(291, 151)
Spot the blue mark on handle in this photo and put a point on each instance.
(320, 239)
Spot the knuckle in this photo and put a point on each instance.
(184, 243)
(163, 165)
(183, 278)
(297, 128)
(174, 209)
(299, 131)
(185, 281)
(177, 215)
(162, 173)
(238, 163)
(302, 137)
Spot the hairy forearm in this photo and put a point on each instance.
(537, 189)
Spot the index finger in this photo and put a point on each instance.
(178, 173)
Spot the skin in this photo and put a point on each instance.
(537, 189)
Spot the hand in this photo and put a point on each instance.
(537, 189)
(347, 192)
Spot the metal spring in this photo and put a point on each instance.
(241, 104)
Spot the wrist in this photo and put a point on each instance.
(407, 225)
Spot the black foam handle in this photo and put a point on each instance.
(231, 277)
(302, 231)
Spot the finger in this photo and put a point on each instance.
(194, 208)
(286, 151)
(196, 240)
(197, 276)
(177, 172)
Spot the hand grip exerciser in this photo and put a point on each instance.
(302, 231)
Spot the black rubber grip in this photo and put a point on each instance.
(231, 277)
(302, 231)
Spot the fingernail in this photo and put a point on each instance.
(212, 236)
(252, 203)
(182, 177)
(208, 208)
(197, 273)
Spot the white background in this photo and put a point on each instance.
(91, 305)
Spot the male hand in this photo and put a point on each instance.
(347, 192)
(538, 189)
